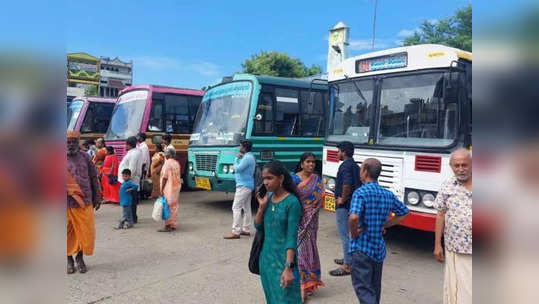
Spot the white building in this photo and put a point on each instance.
(115, 75)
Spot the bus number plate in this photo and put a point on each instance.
(329, 203)
(203, 183)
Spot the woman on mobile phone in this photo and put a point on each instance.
(278, 215)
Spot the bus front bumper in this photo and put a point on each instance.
(217, 183)
(420, 221)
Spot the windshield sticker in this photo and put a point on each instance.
(135, 95)
(195, 136)
(287, 99)
(235, 89)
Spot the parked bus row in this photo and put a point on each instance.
(409, 107)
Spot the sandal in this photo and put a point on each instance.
(339, 272)
(70, 267)
(166, 229)
(339, 261)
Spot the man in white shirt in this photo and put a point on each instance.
(132, 161)
(145, 153)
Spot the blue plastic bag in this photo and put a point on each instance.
(166, 211)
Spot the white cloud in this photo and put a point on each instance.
(156, 63)
(406, 33)
(164, 63)
(433, 21)
(366, 44)
(206, 68)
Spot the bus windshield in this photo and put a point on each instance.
(413, 112)
(352, 102)
(73, 112)
(222, 116)
(97, 117)
(127, 117)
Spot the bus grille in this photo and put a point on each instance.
(390, 176)
(206, 162)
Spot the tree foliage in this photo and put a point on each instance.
(90, 90)
(455, 31)
(274, 63)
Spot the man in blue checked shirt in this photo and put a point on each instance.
(369, 213)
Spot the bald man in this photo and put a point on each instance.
(454, 220)
(369, 217)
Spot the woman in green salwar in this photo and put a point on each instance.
(278, 215)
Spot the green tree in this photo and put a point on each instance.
(455, 31)
(90, 90)
(278, 64)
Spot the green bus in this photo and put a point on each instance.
(282, 117)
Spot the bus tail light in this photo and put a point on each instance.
(428, 163)
(332, 156)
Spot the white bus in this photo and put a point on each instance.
(409, 107)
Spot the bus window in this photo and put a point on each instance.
(312, 113)
(194, 102)
(155, 122)
(177, 114)
(97, 117)
(264, 115)
(287, 112)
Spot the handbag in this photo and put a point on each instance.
(157, 212)
(256, 249)
(113, 179)
(166, 210)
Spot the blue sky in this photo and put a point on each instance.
(193, 43)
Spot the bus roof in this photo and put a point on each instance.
(164, 89)
(284, 81)
(406, 58)
(96, 99)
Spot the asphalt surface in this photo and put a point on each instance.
(196, 265)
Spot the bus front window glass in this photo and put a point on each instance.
(222, 117)
(312, 108)
(287, 112)
(177, 114)
(73, 112)
(155, 123)
(352, 105)
(97, 117)
(127, 117)
(264, 115)
(413, 112)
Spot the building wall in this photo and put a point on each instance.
(115, 75)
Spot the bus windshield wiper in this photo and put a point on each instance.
(358, 90)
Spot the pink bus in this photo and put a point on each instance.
(90, 116)
(155, 110)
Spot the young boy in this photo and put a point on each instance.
(127, 190)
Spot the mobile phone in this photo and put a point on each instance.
(262, 191)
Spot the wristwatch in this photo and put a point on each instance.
(290, 265)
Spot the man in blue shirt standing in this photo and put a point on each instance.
(244, 169)
(370, 209)
(347, 181)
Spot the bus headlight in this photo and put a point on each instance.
(190, 166)
(412, 198)
(225, 168)
(331, 184)
(231, 169)
(428, 200)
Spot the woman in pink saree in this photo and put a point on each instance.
(171, 186)
(311, 192)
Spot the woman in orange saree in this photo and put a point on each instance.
(171, 185)
(111, 192)
(155, 170)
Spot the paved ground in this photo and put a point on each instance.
(195, 264)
